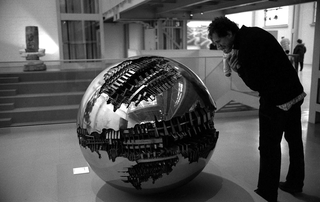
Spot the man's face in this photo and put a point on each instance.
(223, 43)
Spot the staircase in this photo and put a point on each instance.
(46, 97)
(49, 97)
(234, 108)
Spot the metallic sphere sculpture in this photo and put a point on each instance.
(146, 125)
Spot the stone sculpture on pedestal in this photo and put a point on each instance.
(32, 52)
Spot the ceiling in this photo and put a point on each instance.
(188, 9)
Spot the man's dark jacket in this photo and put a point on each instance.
(265, 67)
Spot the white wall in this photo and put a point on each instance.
(282, 30)
(116, 45)
(305, 30)
(15, 15)
(136, 34)
(244, 18)
(114, 39)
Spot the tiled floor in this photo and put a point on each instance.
(37, 165)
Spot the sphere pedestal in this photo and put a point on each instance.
(145, 125)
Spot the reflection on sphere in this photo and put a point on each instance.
(145, 125)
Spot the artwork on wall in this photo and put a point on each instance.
(197, 35)
(276, 16)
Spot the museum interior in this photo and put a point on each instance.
(94, 103)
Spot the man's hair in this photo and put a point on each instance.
(221, 26)
(299, 41)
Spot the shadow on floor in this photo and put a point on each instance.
(205, 187)
(307, 197)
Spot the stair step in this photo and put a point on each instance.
(46, 108)
(8, 92)
(41, 123)
(42, 97)
(5, 122)
(45, 99)
(54, 75)
(9, 79)
(44, 94)
(48, 86)
(6, 106)
(233, 106)
(41, 114)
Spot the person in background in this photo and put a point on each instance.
(265, 67)
(285, 43)
(300, 50)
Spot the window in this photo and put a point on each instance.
(79, 6)
(80, 39)
(80, 33)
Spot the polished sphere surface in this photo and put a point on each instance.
(145, 125)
